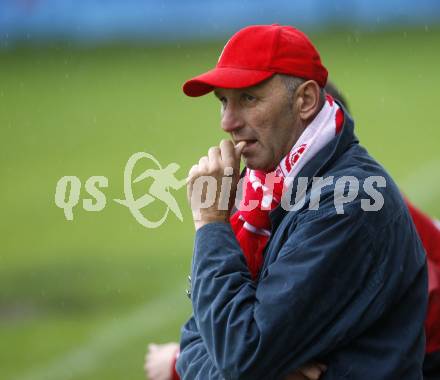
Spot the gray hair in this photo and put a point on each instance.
(292, 83)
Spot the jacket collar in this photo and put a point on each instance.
(320, 163)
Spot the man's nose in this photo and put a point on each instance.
(231, 119)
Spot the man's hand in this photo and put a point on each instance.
(311, 371)
(159, 359)
(209, 200)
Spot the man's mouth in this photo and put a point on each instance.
(249, 145)
(247, 141)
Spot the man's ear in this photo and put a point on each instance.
(308, 102)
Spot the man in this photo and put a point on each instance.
(161, 359)
(347, 289)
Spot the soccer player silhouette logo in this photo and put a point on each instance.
(163, 180)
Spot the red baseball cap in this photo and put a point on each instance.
(256, 53)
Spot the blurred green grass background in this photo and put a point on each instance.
(81, 299)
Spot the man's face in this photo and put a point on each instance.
(263, 116)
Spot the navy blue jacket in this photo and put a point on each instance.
(348, 290)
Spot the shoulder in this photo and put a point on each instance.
(363, 189)
(355, 190)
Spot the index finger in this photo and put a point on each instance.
(238, 149)
(228, 152)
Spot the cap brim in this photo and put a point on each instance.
(224, 77)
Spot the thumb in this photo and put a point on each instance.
(238, 149)
(152, 347)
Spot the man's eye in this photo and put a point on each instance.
(249, 98)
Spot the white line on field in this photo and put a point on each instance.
(109, 338)
(423, 185)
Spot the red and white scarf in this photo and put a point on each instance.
(252, 228)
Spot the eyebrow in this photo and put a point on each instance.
(248, 89)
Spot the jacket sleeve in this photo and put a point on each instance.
(194, 362)
(326, 286)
